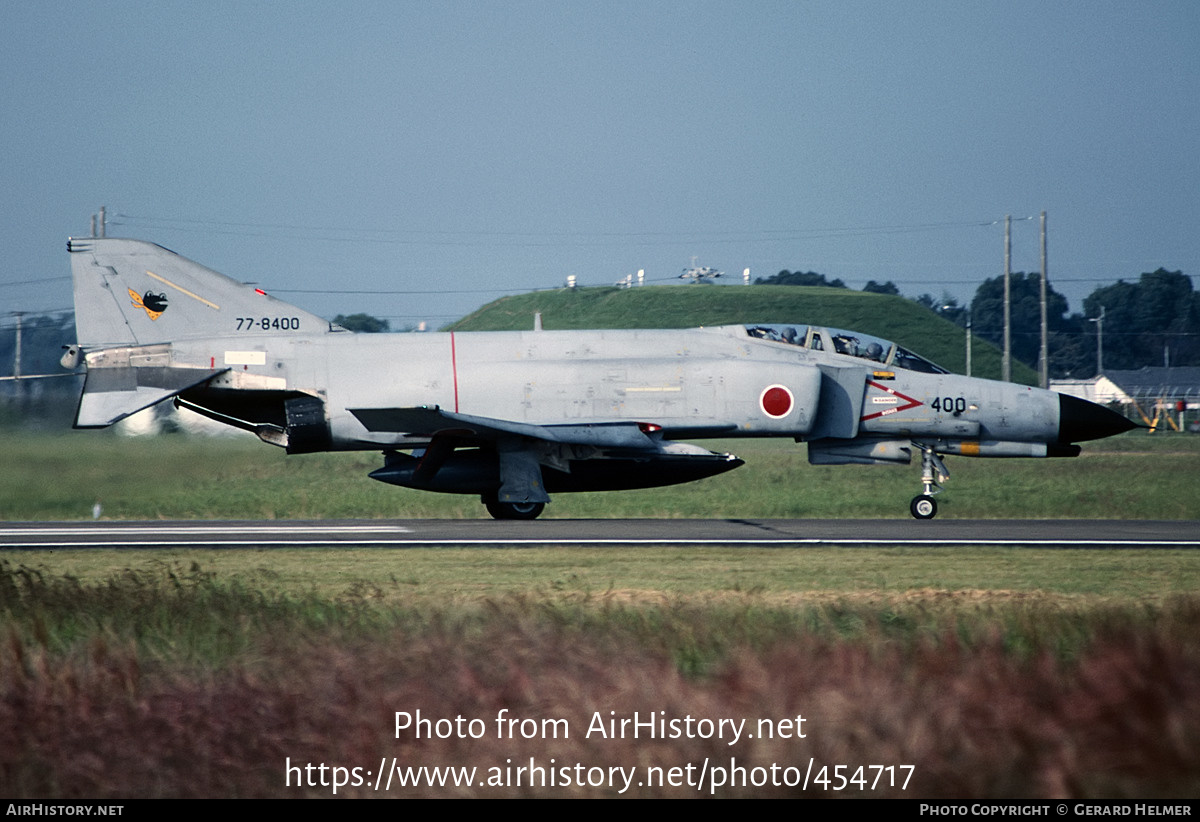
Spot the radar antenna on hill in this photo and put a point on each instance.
(699, 274)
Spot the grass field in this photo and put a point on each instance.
(934, 672)
(51, 477)
(785, 577)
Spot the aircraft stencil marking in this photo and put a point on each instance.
(895, 394)
(245, 358)
(514, 416)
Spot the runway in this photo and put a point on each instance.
(772, 533)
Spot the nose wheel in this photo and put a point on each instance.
(923, 507)
(933, 474)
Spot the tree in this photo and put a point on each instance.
(786, 277)
(987, 314)
(1073, 349)
(889, 287)
(363, 323)
(927, 301)
(42, 341)
(39, 403)
(947, 308)
(1148, 322)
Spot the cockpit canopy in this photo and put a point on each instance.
(849, 343)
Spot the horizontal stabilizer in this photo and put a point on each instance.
(427, 421)
(112, 394)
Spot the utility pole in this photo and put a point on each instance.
(1006, 363)
(17, 349)
(1044, 357)
(968, 340)
(1099, 321)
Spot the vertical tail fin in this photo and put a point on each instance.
(130, 292)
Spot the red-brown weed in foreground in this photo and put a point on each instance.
(1122, 719)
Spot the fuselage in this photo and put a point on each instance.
(695, 383)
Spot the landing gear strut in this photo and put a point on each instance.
(933, 474)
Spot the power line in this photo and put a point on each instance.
(532, 239)
(36, 282)
(417, 293)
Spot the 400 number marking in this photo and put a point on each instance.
(268, 323)
(951, 405)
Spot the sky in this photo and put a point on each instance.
(415, 160)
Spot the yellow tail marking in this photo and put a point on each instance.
(183, 290)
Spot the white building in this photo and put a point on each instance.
(1146, 392)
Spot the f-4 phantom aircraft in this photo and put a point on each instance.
(514, 416)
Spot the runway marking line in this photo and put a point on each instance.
(93, 530)
(418, 542)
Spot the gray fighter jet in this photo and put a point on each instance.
(514, 416)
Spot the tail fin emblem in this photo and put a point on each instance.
(153, 304)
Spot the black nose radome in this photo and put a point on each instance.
(1080, 420)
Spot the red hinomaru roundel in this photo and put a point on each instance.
(776, 401)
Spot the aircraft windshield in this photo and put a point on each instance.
(914, 362)
(790, 334)
(850, 343)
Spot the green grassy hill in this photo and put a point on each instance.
(893, 318)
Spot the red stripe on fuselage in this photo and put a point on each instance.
(454, 370)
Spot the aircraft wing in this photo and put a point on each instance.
(431, 421)
(531, 458)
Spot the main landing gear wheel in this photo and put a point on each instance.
(514, 510)
(923, 506)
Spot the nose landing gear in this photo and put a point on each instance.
(933, 475)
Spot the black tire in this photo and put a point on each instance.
(514, 510)
(923, 506)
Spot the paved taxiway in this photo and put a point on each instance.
(489, 533)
